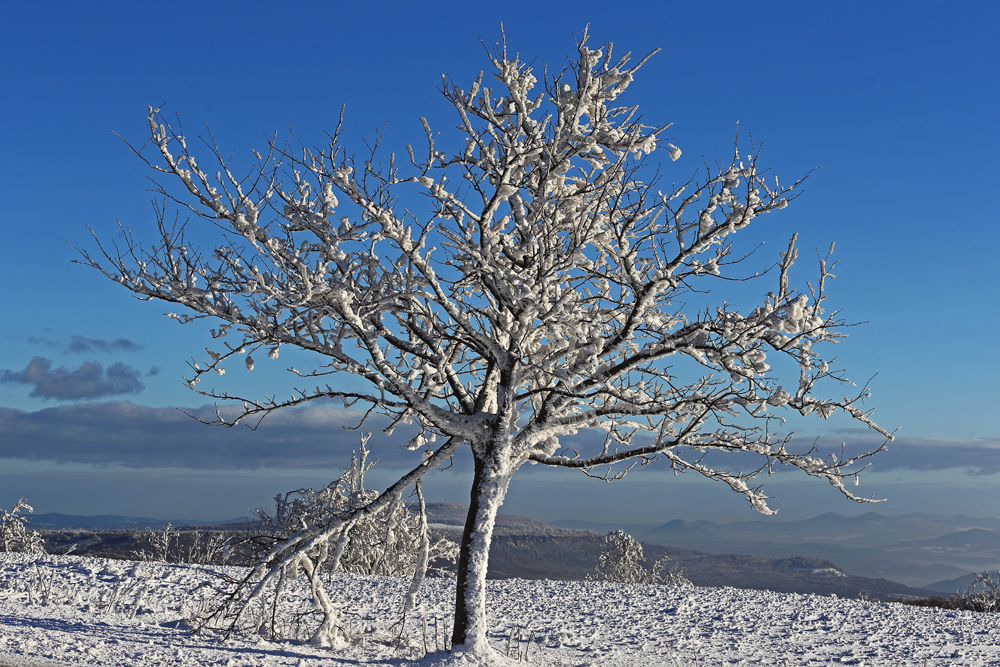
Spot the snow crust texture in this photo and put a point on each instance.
(85, 611)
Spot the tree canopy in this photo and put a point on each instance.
(525, 278)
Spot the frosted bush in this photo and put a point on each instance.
(342, 527)
(170, 545)
(983, 594)
(15, 535)
(622, 560)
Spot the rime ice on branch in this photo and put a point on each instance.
(534, 287)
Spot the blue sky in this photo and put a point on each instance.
(896, 104)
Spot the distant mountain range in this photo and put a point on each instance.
(56, 521)
(912, 554)
(529, 549)
(922, 550)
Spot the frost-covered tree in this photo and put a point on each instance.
(14, 532)
(623, 560)
(529, 278)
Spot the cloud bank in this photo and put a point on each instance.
(975, 456)
(143, 437)
(323, 435)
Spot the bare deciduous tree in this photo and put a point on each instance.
(547, 284)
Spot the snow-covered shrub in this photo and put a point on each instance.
(161, 545)
(15, 535)
(207, 547)
(622, 560)
(170, 545)
(983, 594)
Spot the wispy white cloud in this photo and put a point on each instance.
(86, 345)
(83, 344)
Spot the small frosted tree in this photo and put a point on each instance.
(623, 560)
(983, 594)
(385, 543)
(542, 281)
(341, 527)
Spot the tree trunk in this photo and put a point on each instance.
(489, 487)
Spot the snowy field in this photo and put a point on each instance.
(67, 610)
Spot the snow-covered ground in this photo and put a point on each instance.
(66, 610)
